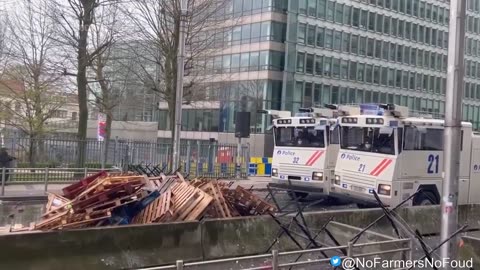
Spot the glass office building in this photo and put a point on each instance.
(291, 54)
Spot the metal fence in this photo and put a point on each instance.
(197, 159)
(404, 251)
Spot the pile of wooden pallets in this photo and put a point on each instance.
(90, 201)
(113, 199)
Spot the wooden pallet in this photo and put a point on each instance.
(254, 205)
(73, 190)
(160, 210)
(189, 202)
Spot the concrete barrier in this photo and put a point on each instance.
(102, 248)
(135, 246)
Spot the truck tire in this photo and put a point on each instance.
(299, 195)
(425, 198)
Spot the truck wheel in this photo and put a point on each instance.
(424, 198)
(299, 195)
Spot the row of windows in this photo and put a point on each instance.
(472, 91)
(472, 47)
(252, 33)
(332, 11)
(248, 7)
(473, 5)
(391, 26)
(472, 69)
(319, 94)
(366, 73)
(363, 46)
(473, 25)
(248, 61)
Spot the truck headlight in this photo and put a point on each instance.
(274, 172)
(384, 189)
(337, 180)
(317, 176)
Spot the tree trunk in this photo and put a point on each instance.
(108, 134)
(171, 114)
(82, 63)
(32, 151)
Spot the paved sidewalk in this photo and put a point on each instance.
(38, 190)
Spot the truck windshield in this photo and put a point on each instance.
(299, 136)
(367, 139)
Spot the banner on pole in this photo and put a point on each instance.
(101, 127)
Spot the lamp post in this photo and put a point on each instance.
(453, 125)
(179, 90)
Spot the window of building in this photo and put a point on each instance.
(394, 26)
(414, 32)
(312, 7)
(428, 11)
(378, 49)
(301, 33)
(384, 76)
(363, 46)
(402, 6)
(408, 30)
(309, 65)
(398, 78)
(376, 75)
(401, 28)
(386, 25)
(354, 44)
(399, 53)
(411, 81)
(311, 35)
(368, 73)
(379, 27)
(395, 5)
(385, 50)
(245, 62)
(300, 62)
(330, 10)
(321, 9)
(328, 38)
(344, 69)
(405, 79)
(421, 10)
(364, 19)
(337, 40)
(353, 71)
(391, 52)
(318, 65)
(327, 66)
(339, 13)
(254, 61)
(418, 81)
(347, 15)
(391, 77)
(421, 33)
(320, 37)
(370, 47)
(356, 17)
(360, 72)
(371, 21)
(346, 42)
(406, 55)
(302, 6)
(336, 68)
(246, 33)
(425, 82)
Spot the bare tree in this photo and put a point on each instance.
(75, 19)
(157, 25)
(33, 87)
(4, 48)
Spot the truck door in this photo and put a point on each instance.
(474, 190)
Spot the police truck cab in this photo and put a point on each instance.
(385, 151)
(306, 148)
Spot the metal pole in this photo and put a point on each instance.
(102, 154)
(179, 90)
(238, 164)
(46, 179)
(4, 175)
(275, 260)
(453, 121)
(350, 249)
(188, 159)
(179, 265)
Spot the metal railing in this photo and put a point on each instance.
(275, 256)
(44, 176)
(199, 159)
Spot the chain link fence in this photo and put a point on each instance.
(199, 159)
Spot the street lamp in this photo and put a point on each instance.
(179, 90)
